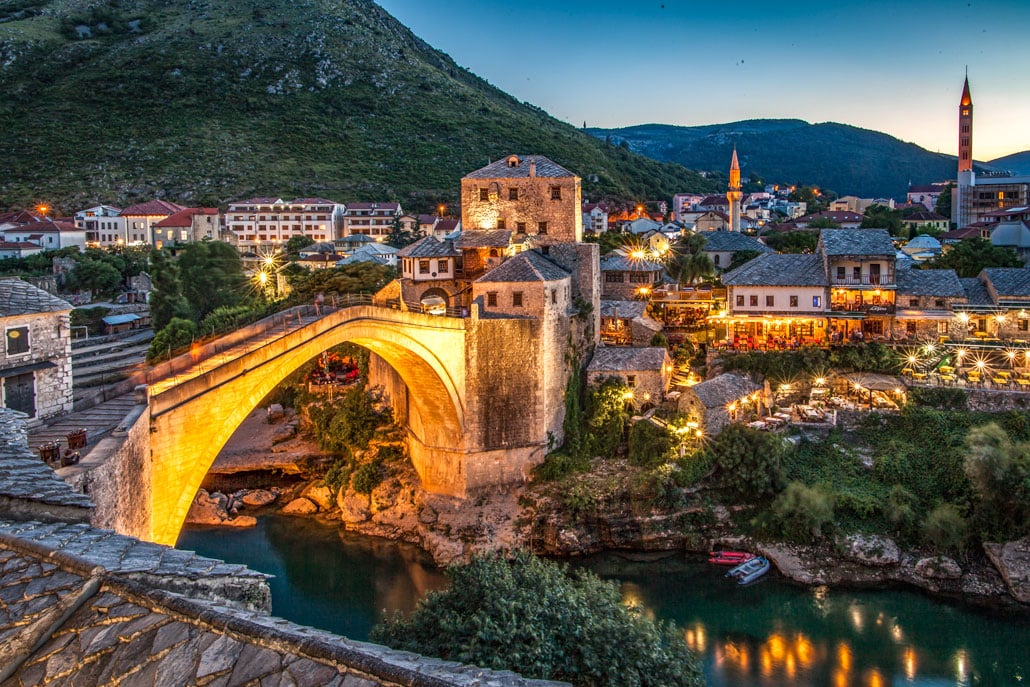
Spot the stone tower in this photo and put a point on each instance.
(962, 200)
(733, 195)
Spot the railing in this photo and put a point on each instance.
(883, 279)
(870, 308)
(689, 294)
(439, 311)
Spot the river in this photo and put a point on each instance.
(771, 633)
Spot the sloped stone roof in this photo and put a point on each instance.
(856, 242)
(733, 241)
(943, 283)
(976, 291)
(623, 309)
(924, 241)
(483, 238)
(620, 263)
(428, 247)
(501, 169)
(18, 297)
(616, 359)
(1009, 282)
(526, 266)
(24, 477)
(723, 390)
(776, 269)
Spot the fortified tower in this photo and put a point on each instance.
(962, 200)
(734, 195)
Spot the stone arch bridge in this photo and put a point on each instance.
(471, 393)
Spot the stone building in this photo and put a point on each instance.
(722, 246)
(627, 323)
(527, 195)
(624, 278)
(36, 360)
(925, 305)
(188, 226)
(646, 371)
(715, 403)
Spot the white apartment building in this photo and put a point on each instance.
(376, 220)
(271, 222)
(103, 224)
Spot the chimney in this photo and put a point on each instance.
(532, 168)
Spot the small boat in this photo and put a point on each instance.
(729, 557)
(751, 570)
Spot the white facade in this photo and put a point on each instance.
(777, 300)
(271, 222)
(103, 224)
(376, 220)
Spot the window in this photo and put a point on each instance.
(913, 302)
(793, 301)
(715, 260)
(520, 227)
(770, 301)
(942, 327)
(817, 301)
(501, 224)
(910, 327)
(17, 340)
(754, 301)
(441, 266)
(1023, 325)
(541, 227)
(491, 299)
(740, 301)
(484, 194)
(613, 277)
(516, 299)
(513, 194)
(840, 271)
(640, 277)
(423, 267)
(556, 193)
(856, 272)
(631, 381)
(939, 303)
(554, 296)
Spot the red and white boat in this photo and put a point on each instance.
(729, 557)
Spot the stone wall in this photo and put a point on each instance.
(49, 342)
(534, 205)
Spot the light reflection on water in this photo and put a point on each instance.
(767, 634)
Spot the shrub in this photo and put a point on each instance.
(368, 476)
(901, 509)
(338, 474)
(802, 512)
(178, 334)
(658, 488)
(558, 465)
(748, 462)
(945, 529)
(649, 444)
(999, 471)
(538, 618)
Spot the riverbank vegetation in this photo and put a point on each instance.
(546, 622)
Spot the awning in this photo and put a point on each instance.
(876, 382)
(22, 369)
(121, 319)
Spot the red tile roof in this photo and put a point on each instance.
(152, 208)
(184, 218)
(312, 201)
(20, 217)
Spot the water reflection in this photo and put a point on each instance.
(768, 634)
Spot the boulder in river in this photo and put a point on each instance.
(1012, 560)
(354, 507)
(938, 568)
(871, 549)
(300, 506)
(320, 494)
(258, 498)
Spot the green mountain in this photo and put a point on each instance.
(845, 159)
(202, 101)
(1017, 163)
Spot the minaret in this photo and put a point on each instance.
(962, 200)
(734, 195)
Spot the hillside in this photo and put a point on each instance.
(201, 101)
(845, 159)
(1017, 163)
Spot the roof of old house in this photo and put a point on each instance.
(713, 201)
(976, 291)
(856, 242)
(620, 263)
(1009, 282)
(526, 266)
(722, 390)
(963, 233)
(429, 247)
(21, 298)
(20, 217)
(623, 309)
(925, 242)
(152, 208)
(184, 218)
(19, 245)
(776, 269)
(1012, 234)
(924, 216)
(45, 226)
(501, 169)
(943, 283)
(733, 241)
(622, 359)
(24, 477)
(484, 238)
(446, 226)
(355, 238)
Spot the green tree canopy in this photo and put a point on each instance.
(943, 206)
(211, 274)
(748, 463)
(882, 217)
(969, 256)
(792, 241)
(545, 622)
(99, 277)
(166, 299)
(999, 471)
(361, 277)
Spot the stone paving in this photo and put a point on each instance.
(97, 421)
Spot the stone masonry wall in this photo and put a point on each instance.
(49, 341)
(534, 205)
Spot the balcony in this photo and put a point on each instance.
(884, 279)
(867, 308)
(670, 292)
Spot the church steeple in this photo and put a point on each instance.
(965, 130)
(734, 195)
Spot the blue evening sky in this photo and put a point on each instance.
(894, 66)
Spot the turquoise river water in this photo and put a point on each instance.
(770, 633)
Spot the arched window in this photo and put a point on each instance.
(513, 161)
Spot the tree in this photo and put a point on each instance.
(748, 463)
(943, 205)
(945, 529)
(211, 274)
(97, 276)
(740, 257)
(792, 241)
(176, 335)
(166, 299)
(295, 244)
(361, 277)
(802, 512)
(969, 256)
(999, 471)
(823, 223)
(540, 619)
(882, 217)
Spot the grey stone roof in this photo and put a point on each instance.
(856, 242)
(775, 269)
(625, 309)
(943, 283)
(1011, 234)
(924, 241)
(483, 238)
(428, 247)
(976, 292)
(621, 263)
(21, 298)
(501, 170)
(1009, 282)
(526, 266)
(733, 241)
(615, 359)
(24, 477)
(723, 390)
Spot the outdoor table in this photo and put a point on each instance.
(907, 371)
(946, 369)
(1024, 382)
(918, 375)
(947, 378)
(1003, 373)
(1000, 381)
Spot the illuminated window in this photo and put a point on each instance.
(17, 340)
(817, 301)
(631, 381)
(793, 301)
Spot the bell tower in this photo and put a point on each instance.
(962, 200)
(734, 195)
